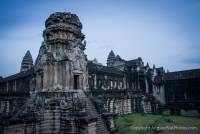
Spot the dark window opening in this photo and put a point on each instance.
(76, 81)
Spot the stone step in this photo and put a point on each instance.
(91, 110)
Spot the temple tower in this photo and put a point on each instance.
(61, 55)
(27, 62)
(61, 74)
(111, 58)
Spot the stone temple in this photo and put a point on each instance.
(65, 93)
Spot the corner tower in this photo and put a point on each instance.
(61, 57)
(111, 58)
(27, 62)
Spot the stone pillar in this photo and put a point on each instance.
(129, 106)
(111, 105)
(125, 106)
(146, 85)
(95, 81)
(124, 82)
(134, 104)
(117, 106)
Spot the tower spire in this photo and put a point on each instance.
(111, 58)
(27, 62)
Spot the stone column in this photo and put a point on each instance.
(95, 81)
(146, 85)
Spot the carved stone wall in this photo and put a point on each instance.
(129, 86)
(61, 57)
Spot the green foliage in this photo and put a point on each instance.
(127, 124)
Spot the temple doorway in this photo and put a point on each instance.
(76, 81)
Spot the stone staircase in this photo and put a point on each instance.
(91, 110)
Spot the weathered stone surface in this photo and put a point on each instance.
(59, 71)
(64, 93)
(27, 62)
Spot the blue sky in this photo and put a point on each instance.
(163, 32)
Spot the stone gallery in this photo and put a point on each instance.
(63, 92)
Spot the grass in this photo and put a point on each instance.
(127, 124)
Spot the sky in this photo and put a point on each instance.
(163, 32)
